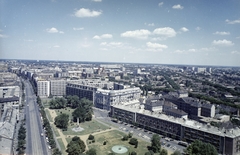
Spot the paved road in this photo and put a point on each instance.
(35, 144)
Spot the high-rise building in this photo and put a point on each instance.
(43, 88)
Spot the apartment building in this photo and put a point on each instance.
(192, 106)
(103, 99)
(58, 87)
(226, 141)
(86, 87)
(43, 88)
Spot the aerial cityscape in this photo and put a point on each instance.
(108, 77)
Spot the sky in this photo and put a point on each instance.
(190, 32)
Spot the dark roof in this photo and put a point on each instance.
(207, 105)
(176, 111)
(9, 99)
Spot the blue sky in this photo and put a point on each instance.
(194, 32)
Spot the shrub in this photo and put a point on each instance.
(90, 137)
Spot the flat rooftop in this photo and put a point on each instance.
(234, 132)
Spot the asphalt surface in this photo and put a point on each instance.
(35, 143)
(166, 143)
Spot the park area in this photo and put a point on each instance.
(100, 131)
(113, 138)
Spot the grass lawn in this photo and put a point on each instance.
(60, 142)
(89, 127)
(45, 102)
(114, 138)
(55, 130)
(48, 115)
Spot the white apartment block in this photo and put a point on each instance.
(103, 99)
(58, 87)
(43, 88)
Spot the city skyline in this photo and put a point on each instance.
(162, 32)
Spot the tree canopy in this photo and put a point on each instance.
(58, 103)
(83, 111)
(76, 146)
(73, 101)
(201, 148)
(61, 121)
(176, 153)
(155, 143)
(91, 151)
(163, 152)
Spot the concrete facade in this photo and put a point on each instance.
(58, 87)
(43, 88)
(103, 99)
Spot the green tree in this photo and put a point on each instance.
(155, 143)
(125, 138)
(90, 137)
(76, 146)
(163, 152)
(201, 148)
(61, 121)
(73, 101)
(57, 152)
(176, 153)
(79, 113)
(91, 151)
(133, 153)
(133, 141)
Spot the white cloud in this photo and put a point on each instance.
(208, 49)
(184, 29)
(78, 28)
(235, 52)
(165, 31)
(223, 42)
(160, 4)
(233, 21)
(138, 34)
(97, 0)
(52, 30)
(87, 13)
(178, 6)
(149, 24)
(104, 36)
(96, 37)
(56, 46)
(156, 46)
(192, 50)
(111, 44)
(222, 33)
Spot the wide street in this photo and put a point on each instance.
(35, 143)
(167, 143)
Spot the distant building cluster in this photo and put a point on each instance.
(10, 99)
(127, 97)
